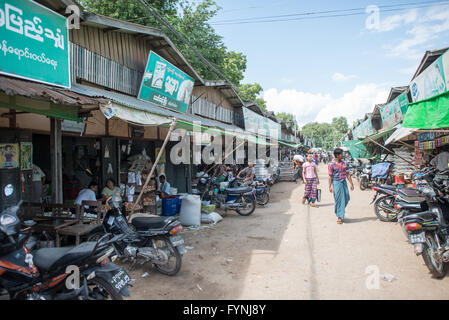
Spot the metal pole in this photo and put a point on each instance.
(172, 126)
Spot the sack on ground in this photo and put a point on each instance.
(212, 217)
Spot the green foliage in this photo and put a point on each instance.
(340, 124)
(326, 135)
(287, 117)
(189, 18)
(251, 92)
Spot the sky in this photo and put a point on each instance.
(322, 68)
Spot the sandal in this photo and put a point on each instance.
(339, 221)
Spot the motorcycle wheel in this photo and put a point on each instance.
(363, 183)
(386, 201)
(169, 269)
(251, 208)
(100, 289)
(264, 199)
(438, 269)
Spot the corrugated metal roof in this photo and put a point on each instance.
(29, 89)
(133, 102)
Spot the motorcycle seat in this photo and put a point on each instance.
(238, 190)
(151, 222)
(46, 259)
(388, 187)
(409, 192)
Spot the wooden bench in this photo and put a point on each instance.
(82, 226)
(54, 216)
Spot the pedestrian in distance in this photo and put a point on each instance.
(310, 175)
(338, 174)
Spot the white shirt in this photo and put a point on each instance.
(165, 187)
(38, 174)
(85, 194)
(441, 161)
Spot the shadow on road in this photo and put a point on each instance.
(349, 220)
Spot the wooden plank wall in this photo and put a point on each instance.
(127, 49)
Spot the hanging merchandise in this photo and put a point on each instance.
(139, 178)
(106, 152)
(131, 177)
(110, 170)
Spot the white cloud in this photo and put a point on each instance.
(309, 107)
(429, 26)
(339, 77)
(392, 22)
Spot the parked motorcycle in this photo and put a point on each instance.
(389, 201)
(428, 231)
(262, 192)
(43, 275)
(154, 240)
(241, 199)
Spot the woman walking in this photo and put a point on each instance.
(337, 184)
(311, 179)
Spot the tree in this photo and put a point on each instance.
(322, 134)
(340, 124)
(191, 20)
(251, 92)
(287, 117)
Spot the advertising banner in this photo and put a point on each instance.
(363, 130)
(34, 43)
(393, 113)
(432, 81)
(255, 122)
(165, 85)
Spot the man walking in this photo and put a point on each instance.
(337, 184)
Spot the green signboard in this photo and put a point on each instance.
(394, 112)
(363, 130)
(33, 43)
(165, 85)
(434, 80)
(258, 124)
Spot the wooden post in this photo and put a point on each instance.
(56, 159)
(172, 126)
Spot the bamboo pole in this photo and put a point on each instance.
(224, 157)
(172, 126)
(392, 152)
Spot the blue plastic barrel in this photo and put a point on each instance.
(170, 206)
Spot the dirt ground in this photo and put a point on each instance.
(291, 251)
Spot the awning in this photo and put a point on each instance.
(399, 134)
(150, 114)
(355, 149)
(432, 113)
(134, 116)
(294, 146)
(377, 135)
(43, 99)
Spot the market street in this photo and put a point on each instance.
(291, 251)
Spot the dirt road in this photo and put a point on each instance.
(291, 251)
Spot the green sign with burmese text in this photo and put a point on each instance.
(165, 85)
(33, 43)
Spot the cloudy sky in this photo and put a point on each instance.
(321, 67)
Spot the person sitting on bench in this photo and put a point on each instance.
(88, 194)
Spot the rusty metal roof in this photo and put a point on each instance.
(29, 89)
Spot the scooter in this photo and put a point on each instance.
(44, 275)
(154, 240)
(240, 199)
